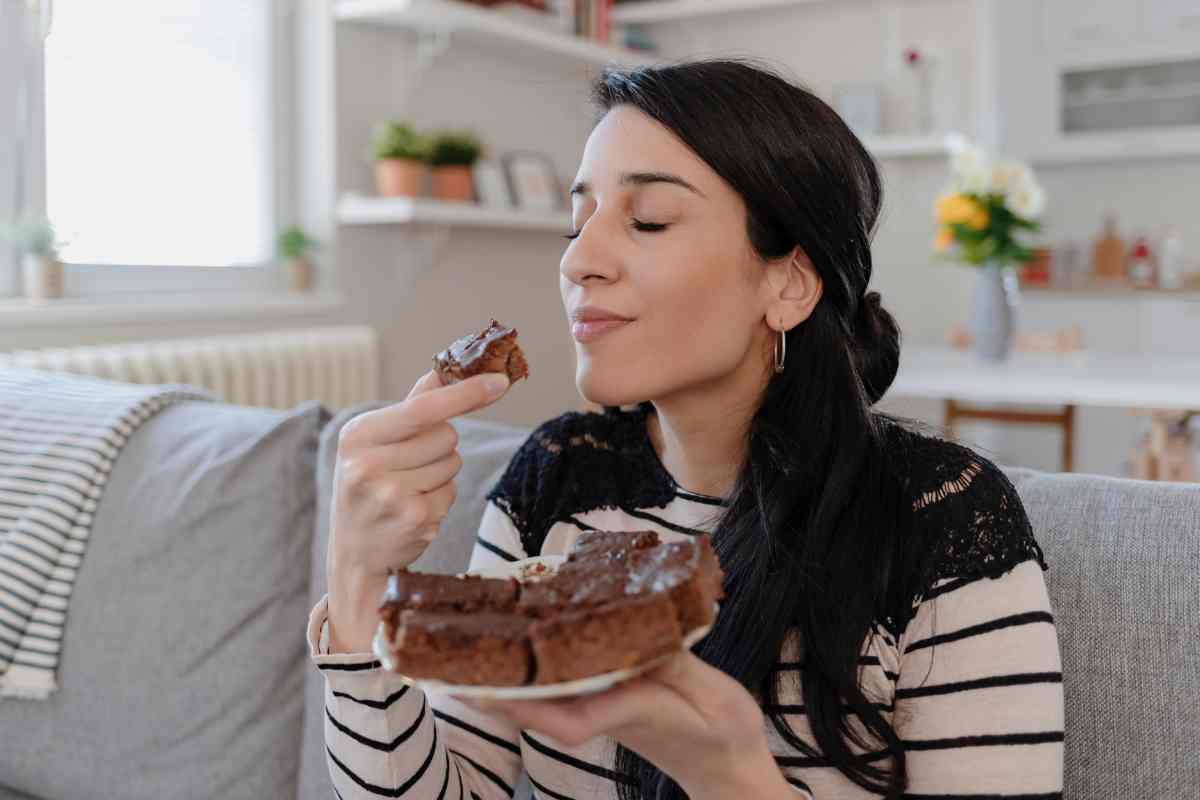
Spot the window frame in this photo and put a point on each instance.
(113, 281)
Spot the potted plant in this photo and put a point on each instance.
(294, 248)
(401, 155)
(42, 270)
(978, 220)
(452, 155)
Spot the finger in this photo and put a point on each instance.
(428, 446)
(430, 380)
(403, 420)
(426, 479)
(441, 499)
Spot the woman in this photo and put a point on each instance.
(886, 630)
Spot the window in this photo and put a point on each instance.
(163, 129)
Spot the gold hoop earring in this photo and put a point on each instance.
(780, 349)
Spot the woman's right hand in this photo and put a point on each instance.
(393, 483)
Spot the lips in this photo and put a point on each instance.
(589, 330)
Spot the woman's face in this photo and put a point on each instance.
(695, 290)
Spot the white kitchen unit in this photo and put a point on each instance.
(1099, 79)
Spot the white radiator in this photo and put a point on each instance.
(336, 366)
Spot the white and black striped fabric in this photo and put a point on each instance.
(59, 437)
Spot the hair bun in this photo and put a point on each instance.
(877, 346)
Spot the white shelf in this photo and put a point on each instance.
(480, 25)
(356, 209)
(916, 146)
(648, 11)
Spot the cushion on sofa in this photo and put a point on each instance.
(1124, 582)
(184, 658)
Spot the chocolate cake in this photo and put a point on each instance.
(620, 599)
(482, 648)
(425, 592)
(688, 571)
(613, 636)
(494, 349)
(615, 545)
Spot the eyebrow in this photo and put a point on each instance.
(640, 179)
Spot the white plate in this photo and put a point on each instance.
(525, 570)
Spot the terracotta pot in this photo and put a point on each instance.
(43, 277)
(300, 274)
(453, 183)
(399, 177)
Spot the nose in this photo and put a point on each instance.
(592, 255)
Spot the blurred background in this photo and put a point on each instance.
(286, 200)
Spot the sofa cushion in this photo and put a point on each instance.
(1124, 561)
(486, 448)
(184, 658)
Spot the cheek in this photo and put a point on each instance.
(700, 320)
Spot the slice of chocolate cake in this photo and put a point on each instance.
(477, 649)
(612, 636)
(609, 545)
(494, 349)
(584, 585)
(687, 570)
(426, 592)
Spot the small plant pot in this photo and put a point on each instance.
(43, 278)
(300, 274)
(453, 183)
(399, 177)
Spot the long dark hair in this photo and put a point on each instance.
(809, 539)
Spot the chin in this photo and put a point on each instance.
(618, 388)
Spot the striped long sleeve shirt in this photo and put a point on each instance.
(971, 681)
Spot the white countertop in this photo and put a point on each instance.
(1081, 378)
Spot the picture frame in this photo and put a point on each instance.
(532, 181)
(491, 185)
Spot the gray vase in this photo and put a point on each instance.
(994, 301)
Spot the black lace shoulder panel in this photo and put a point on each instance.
(574, 463)
(968, 519)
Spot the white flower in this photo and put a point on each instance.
(1026, 198)
(972, 169)
(1007, 175)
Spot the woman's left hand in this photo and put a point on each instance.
(689, 719)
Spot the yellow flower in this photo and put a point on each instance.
(978, 219)
(955, 208)
(943, 239)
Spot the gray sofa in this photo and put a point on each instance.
(185, 673)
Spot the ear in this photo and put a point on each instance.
(794, 288)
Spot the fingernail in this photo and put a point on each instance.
(495, 384)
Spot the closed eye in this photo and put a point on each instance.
(645, 227)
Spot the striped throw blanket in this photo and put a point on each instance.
(59, 437)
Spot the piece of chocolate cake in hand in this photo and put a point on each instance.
(494, 349)
(479, 649)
